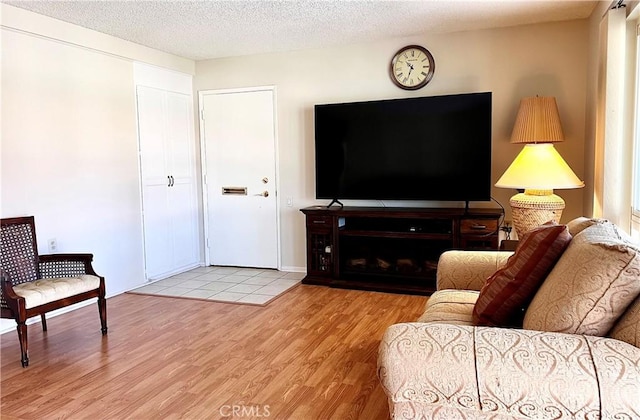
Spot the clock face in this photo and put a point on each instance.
(412, 67)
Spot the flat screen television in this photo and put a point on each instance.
(428, 148)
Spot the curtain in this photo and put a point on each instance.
(613, 145)
(635, 116)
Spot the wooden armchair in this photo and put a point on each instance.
(33, 284)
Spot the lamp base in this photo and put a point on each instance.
(534, 208)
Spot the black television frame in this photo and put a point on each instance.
(465, 120)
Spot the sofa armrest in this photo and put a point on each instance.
(468, 270)
(432, 370)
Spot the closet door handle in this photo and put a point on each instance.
(169, 178)
(173, 181)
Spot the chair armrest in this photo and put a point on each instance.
(65, 265)
(506, 372)
(468, 270)
(8, 298)
(6, 287)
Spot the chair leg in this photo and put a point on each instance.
(44, 322)
(102, 309)
(24, 349)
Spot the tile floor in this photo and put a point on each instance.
(226, 284)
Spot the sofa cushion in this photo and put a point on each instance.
(450, 306)
(509, 290)
(428, 363)
(443, 371)
(628, 326)
(590, 287)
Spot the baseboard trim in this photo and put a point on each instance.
(294, 269)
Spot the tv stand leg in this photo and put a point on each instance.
(335, 201)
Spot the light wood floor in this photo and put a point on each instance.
(310, 354)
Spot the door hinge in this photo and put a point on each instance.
(204, 179)
(202, 114)
(638, 30)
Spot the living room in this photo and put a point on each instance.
(69, 137)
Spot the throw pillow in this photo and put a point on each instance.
(509, 290)
(595, 281)
(627, 328)
(579, 224)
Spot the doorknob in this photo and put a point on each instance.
(265, 180)
(264, 193)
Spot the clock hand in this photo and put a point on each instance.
(410, 69)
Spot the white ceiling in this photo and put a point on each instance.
(211, 29)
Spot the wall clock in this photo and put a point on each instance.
(412, 67)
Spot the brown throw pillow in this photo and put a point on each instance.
(509, 290)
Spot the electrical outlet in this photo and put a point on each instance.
(53, 245)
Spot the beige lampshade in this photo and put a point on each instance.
(539, 167)
(537, 121)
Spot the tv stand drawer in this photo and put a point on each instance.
(478, 226)
(319, 221)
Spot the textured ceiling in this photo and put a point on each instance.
(211, 29)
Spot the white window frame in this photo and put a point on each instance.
(635, 201)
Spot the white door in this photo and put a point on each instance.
(170, 218)
(155, 182)
(183, 203)
(240, 163)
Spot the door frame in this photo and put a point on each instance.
(203, 160)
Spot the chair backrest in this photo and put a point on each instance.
(18, 249)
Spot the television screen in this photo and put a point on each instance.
(429, 148)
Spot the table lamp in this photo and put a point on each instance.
(538, 168)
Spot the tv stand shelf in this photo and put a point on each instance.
(390, 249)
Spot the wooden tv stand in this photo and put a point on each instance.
(390, 249)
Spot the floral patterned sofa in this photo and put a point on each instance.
(575, 355)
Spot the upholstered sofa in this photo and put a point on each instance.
(575, 354)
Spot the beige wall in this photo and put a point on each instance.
(548, 59)
(69, 143)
